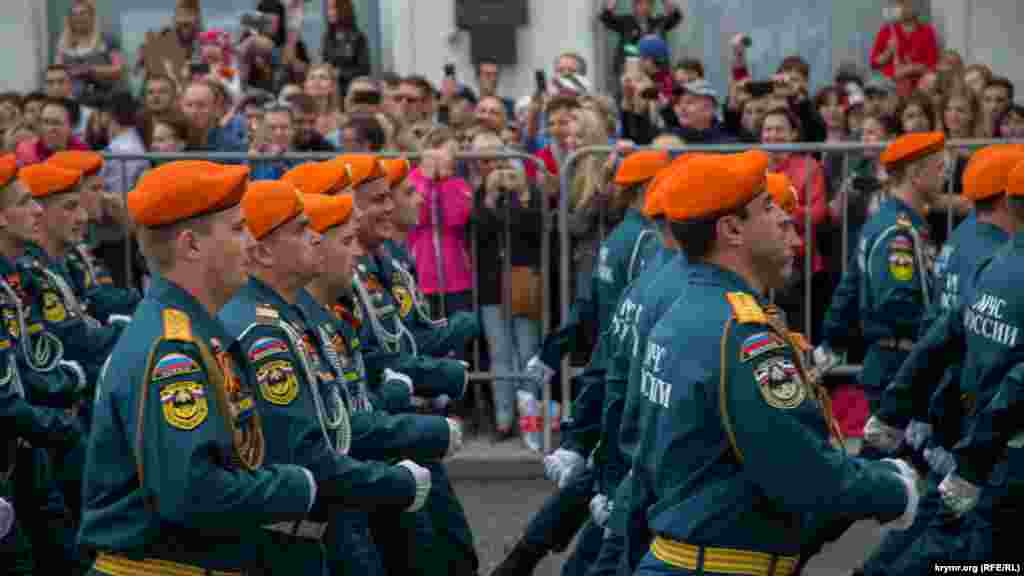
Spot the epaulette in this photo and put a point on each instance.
(800, 341)
(265, 314)
(903, 221)
(746, 309)
(177, 326)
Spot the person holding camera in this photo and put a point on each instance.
(640, 23)
(92, 59)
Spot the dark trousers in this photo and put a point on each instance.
(555, 525)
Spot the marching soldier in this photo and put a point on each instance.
(175, 480)
(376, 435)
(35, 387)
(930, 414)
(434, 337)
(718, 409)
(302, 425)
(887, 288)
(327, 178)
(88, 278)
(623, 256)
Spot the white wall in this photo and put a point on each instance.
(22, 44)
(986, 32)
(420, 42)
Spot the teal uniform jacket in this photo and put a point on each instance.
(437, 338)
(304, 425)
(623, 256)
(885, 290)
(388, 343)
(719, 451)
(912, 397)
(94, 284)
(174, 465)
(376, 434)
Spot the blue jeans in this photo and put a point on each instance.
(511, 344)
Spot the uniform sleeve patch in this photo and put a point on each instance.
(759, 344)
(277, 382)
(779, 383)
(264, 347)
(174, 364)
(184, 404)
(901, 266)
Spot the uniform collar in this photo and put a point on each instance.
(266, 295)
(900, 207)
(712, 274)
(173, 296)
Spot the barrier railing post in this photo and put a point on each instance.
(809, 245)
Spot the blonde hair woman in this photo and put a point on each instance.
(322, 84)
(93, 62)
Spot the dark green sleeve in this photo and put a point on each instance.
(42, 426)
(460, 329)
(842, 318)
(432, 377)
(991, 435)
(378, 435)
(295, 436)
(779, 429)
(186, 467)
(908, 396)
(582, 431)
(107, 299)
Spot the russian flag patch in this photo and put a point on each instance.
(758, 344)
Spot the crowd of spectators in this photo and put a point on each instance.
(265, 93)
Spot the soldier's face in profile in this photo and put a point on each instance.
(341, 249)
(297, 250)
(227, 250)
(21, 215)
(770, 236)
(376, 208)
(64, 220)
(91, 192)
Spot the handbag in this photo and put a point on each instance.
(526, 287)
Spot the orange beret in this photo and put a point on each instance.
(395, 170)
(710, 186)
(662, 184)
(988, 172)
(84, 161)
(782, 191)
(640, 166)
(318, 177)
(44, 180)
(910, 147)
(8, 169)
(1015, 183)
(363, 168)
(326, 212)
(752, 168)
(185, 189)
(268, 204)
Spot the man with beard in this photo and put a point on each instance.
(717, 409)
(305, 423)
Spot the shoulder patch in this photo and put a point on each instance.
(901, 265)
(277, 382)
(903, 221)
(746, 308)
(759, 344)
(184, 404)
(177, 325)
(173, 364)
(779, 383)
(264, 347)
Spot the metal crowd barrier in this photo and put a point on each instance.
(122, 162)
(844, 148)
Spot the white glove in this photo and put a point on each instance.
(75, 369)
(909, 478)
(119, 319)
(422, 477)
(959, 495)
(539, 371)
(600, 509)
(882, 436)
(454, 437)
(940, 460)
(917, 434)
(561, 465)
(6, 518)
(312, 486)
(392, 376)
(465, 378)
(825, 359)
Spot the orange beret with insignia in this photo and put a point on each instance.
(268, 204)
(185, 189)
(326, 212)
(318, 177)
(8, 169)
(395, 170)
(782, 191)
(1015, 182)
(988, 171)
(910, 147)
(710, 187)
(44, 180)
(87, 162)
(662, 184)
(363, 168)
(640, 166)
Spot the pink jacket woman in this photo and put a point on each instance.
(441, 232)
